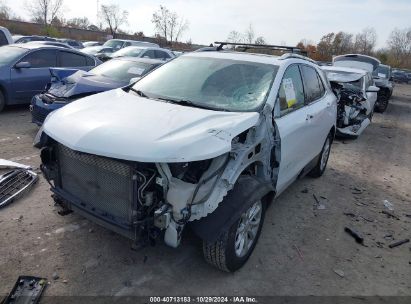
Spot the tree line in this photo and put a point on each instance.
(169, 25)
(396, 53)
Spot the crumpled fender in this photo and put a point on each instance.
(246, 191)
(58, 74)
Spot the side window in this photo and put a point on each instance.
(41, 59)
(291, 94)
(68, 59)
(311, 84)
(3, 39)
(322, 88)
(150, 54)
(127, 44)
(162, 55)
(90, 61)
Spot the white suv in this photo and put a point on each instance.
(205, 140)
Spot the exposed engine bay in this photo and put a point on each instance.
(353, 112)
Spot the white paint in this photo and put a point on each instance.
(125, 126)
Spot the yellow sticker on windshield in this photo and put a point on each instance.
(289, 91)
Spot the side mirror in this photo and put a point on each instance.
(23, 65)
(373, 89)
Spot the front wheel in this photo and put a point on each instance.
(319, 168)
(233, 248)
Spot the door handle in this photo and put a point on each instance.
(309, 116)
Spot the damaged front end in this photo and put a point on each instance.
(137, 200)
(353, 115)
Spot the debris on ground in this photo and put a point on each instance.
(27, 289)
(8, 164)
(317, 204)
(299, 253)
(388, 205)
(389, 214)
(15, 183)
(399, 243)
(55, 276)
(305, 190)
(355, 235)
(339, 272)
(350, 214)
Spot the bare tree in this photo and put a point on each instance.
(365, 41)
(249, 34)
(169, 25)
(260, 40)
(5, 11)
(235, 36)
(399, 44)
(45, 11)
(81, 23)
(113, 17)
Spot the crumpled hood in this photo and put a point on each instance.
(125, 126)
(82, 82)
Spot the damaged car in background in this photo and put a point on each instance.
(356, 98)
(206, 141)
(68, 85)
(383, 79)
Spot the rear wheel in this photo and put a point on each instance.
(233, 248)
(319, 168)
(2, 101)
(382, 102)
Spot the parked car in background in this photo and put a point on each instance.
(91, 43)
(24, 69)
(206, 140)
(140, 52)
(97, 50)
(383, 80)
(399, 76)
(178, 53)
(70, 85)
(117, 44)
(24, 39)
(73, 43)
(5, 36)
(54, 43)
(356, 98)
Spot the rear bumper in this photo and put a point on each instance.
(39, 110)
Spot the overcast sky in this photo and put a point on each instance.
(285, 21)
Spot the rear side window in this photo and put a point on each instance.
(68, 59)
(90, 61)
(161, 55)
(291, 94)
(150, 54)
(41, 59)
(3, 39)
(314, 89)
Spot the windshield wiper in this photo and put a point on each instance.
(138, 92)
(184, 102)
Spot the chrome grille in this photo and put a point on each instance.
(100, 184)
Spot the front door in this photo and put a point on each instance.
(27, 82)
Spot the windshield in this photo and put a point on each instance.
(382, 71)
(115, 44)
(132, 52)
(122, 70)
(9, 54)
(214, 83)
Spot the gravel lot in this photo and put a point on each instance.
(302, 250)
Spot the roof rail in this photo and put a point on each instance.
(288, 56)
(246, 46)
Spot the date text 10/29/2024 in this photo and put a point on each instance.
(238, 299)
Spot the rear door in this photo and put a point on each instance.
(291, 123)
(27, 82)
(318, 119)
(67, 59)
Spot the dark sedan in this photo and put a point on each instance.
(25, 69)
(68, 85)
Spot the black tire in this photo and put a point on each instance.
(320, 167)
(222, 252)
(382, 102)
(2, 101)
